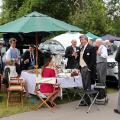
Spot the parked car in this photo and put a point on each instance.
(112, 69)
(52, 46)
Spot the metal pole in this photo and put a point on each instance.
(36, 53)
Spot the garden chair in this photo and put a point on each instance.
(15, 86)
(46, 97)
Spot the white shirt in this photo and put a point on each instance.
(8, 53)
(74, 48)
(85, 47)
(103, 50)
(82, 62)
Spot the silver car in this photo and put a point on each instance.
(112, 68)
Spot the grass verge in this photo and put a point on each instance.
(31, 103)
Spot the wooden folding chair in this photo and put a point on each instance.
(15, 85)
(46, 97)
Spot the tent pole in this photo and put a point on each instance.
(36, 36)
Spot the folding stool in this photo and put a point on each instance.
(102, 98)
(92, 95)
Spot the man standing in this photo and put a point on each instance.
(117, 58)
(101, 62)
(87, 62)
(72, 54)
(13, 55)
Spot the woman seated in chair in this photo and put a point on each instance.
(49, 72)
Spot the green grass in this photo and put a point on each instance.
(31, 103)
(14, 108)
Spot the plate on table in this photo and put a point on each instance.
(61, 75)
(67, 70)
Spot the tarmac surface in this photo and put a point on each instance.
(69, 112)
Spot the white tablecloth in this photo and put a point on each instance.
(65, 82)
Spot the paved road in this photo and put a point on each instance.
(68, 112)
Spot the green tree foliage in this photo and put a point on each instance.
(59, 9)
(92, 15)
(113, 12)
(9, 10)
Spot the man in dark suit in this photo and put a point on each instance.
(117, 58)
(28, 60)
(72, 53)
(87, 62)
(87, 65)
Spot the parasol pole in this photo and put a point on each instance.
(36, 36)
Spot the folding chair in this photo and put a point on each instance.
(91, 95)
(15, 85)
(46, 97)
(102, 98)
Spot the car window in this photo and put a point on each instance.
(53, 46)
(111, 49)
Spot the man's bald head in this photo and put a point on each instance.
(98, 42)
(74, 42)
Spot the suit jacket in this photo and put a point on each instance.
(26, 55)
(72, 61)
(117, 57)
(89, 57)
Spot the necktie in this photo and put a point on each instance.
(82, 48)
(31, 57)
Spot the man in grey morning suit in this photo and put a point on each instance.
(101, 62)
(118, 104)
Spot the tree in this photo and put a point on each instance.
(113, 12)
(96, 16)
(13, 9)
(9, 10)
(91, 17)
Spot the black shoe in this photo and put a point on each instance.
(116, 111)
(50, 104)
(82, 104)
